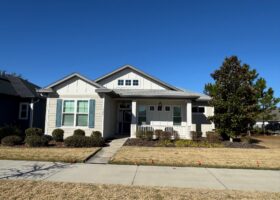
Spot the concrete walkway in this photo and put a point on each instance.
(105, 154)
(188, 177)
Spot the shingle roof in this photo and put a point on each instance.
(202, 97)
(15, 86)
(148, 93)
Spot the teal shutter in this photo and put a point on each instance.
(58, 112)
(91, 113)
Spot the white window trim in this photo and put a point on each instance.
(20, 110)
(122, 84)
(130, 82)
(137, 84)
(75, 112)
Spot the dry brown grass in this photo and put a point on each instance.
(46, 154)
(53, 190)
(272, 142)
(208, 157)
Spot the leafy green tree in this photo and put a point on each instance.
(267, 101)
(234, 97)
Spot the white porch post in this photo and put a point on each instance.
(133, 126)
(189, 118)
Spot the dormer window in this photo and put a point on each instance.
(127, 82)
(120, 82)
(135, 82)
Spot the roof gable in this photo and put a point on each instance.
(139, 72)
(71, 76)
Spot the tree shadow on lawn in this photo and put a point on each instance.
(34, 171)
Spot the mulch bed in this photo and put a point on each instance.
(145, 143)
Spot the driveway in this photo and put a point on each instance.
(188, 177)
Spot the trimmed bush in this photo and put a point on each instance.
(196, 135)
(11, 140)
(140, 134)
(81, 141)
(58, 135)
(33, 132)
(10, 130)
(213, 137)
(147, 135)
(36, 141)
(48, 137)
(164, 135)
(158, 132)
(79, 132)
(96, 134)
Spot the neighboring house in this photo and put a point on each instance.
(274, 119)
(20, 104)
(123, 101)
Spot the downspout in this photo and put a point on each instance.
(31, 114)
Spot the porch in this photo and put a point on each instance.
(166, 115)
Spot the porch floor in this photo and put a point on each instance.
(105, 154)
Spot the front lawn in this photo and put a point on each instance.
(53, 154)
(11, 189)
(200, 157)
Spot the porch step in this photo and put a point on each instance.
(106, 153)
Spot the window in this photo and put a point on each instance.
(201, 109)
(68, 113)
(23, 110)
(120, 82)
(135, 82)
(177, 119)
(82, 113)
(167, 108)
(141, 115)
(159, 108)
(198, 109)
(152, 108)
(127, 82)
(75, 111)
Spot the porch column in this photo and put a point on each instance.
(133, 126)
(189, 118)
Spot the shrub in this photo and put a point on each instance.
(48, 137)
(147, 135)
(79, 132)
(58, 135)
(36, 141)
(11, 140)
(82, 141)
(140, 134)
(10, 130)
(164, 135)
(158, 132)
(213, 137)
(33, 132)
(96, 134)
(196, 135)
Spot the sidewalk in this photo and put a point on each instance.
(188, 177)
(104, 155)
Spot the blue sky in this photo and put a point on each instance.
(178, 41)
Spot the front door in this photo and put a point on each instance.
(124, 120)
